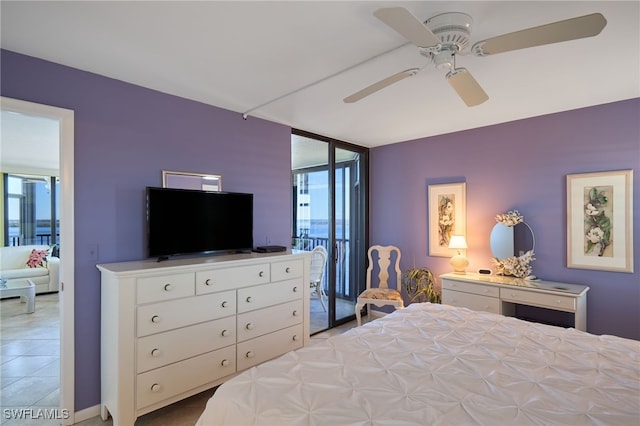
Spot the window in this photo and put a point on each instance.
(31, 210)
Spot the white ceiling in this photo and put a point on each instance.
(240, 55)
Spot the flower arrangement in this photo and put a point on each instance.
(517, 266)
(597, 224)
(510, 218)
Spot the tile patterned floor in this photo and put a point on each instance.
(30, 367)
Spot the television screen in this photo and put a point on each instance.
(183, 221)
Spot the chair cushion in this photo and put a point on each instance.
(381, 293)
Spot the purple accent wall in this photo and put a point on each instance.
(518, 165)
(125, 135)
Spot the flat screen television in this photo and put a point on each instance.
(184, 221)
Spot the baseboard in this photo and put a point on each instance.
(86, 414)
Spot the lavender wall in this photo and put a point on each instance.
(125, 136)
(519, 165)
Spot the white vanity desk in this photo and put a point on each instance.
(500, 294)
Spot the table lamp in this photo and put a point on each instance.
(459, 261)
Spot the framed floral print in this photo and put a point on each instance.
(447, 216)
(600, 221)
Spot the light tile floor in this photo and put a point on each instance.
(30, 367)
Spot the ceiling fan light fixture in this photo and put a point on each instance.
(444, 59)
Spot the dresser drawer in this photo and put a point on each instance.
(269, 346)
(156, 385)
(257, 323)
(171, 346)
(484, 290)
(286, 270)
(164, 287)
(544, 300)
(472, 301)
(257, 297)
(231, 278)
(163, 316)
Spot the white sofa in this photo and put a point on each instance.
(13, 267)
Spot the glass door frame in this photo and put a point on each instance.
(357, 257)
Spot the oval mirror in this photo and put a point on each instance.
(508, 241)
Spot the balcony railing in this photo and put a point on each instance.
(341, 254)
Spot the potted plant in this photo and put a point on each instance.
(420, 284)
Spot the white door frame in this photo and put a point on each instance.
(67, 225)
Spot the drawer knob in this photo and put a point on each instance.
(224, 304)
(155, 319)
(155, 352)
(249, 354)
(261, 274)
(224, 333)
(249, 299)
(155, 387)
(208, 281)
(287, 270)
(168, 287)
(295, 338)
(249, 326)
(295, 289)
(295, 313)
(225, 363)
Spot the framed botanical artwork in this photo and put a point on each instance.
(447, 216)
(599, 221)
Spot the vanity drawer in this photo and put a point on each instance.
(252, 298)
(231, 278)
(166, 348)
(161, 383)
(472, 301)
(164, 287)
(269, 346)
(257, 323)
(286, 270)
(484, 290)
(163, 316)
(544, 300)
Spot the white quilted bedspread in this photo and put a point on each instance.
(435, 364)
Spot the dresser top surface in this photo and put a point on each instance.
(229, 260)
(505, 281)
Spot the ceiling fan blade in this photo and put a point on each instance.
(410, 27)
(369, 90)
(467, 87)
(555, 32)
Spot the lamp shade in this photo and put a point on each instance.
(458, 242)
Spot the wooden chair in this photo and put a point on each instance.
(316, 272)
(381, 295)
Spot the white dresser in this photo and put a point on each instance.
(175, 328)
(500, 295)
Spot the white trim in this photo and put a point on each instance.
(67, 225)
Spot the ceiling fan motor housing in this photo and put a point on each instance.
(452, 28)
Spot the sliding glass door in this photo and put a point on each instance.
(329, 199)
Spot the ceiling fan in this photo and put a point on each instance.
(443, 37)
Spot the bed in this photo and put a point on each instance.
(437, 364)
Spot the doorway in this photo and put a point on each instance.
(329, 209)
(65, 119)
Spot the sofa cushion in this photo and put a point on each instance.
(37, 259)
(24, 273)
